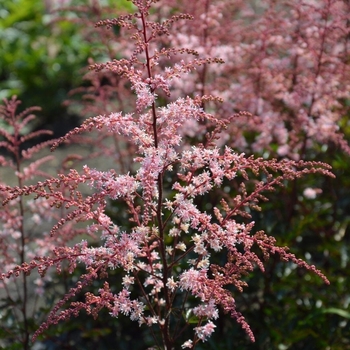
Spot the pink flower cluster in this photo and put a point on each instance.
(286, 63)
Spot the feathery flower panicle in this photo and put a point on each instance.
(286, 63)
(22, 248)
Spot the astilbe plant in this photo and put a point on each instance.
(278, 57)
(14, 238)
(172, 278)
(104, 91)
(287, 63)
(20, 219)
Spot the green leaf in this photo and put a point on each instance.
(339, 312)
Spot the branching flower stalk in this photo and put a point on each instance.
(20, 218)
(172, 278)
(14, 238)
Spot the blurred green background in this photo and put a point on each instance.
(44, 54)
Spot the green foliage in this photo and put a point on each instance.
(42, 59)
(287, 307)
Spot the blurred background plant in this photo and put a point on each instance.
(43, 55)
